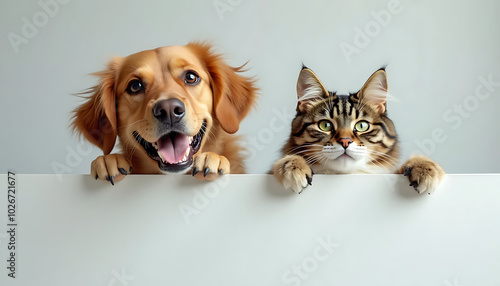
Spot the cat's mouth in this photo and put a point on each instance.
(337, 152)
(344, 156)
(173, 151)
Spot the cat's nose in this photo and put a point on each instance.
(345, 141)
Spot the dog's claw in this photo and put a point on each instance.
(207, 170)
(195, 171)
(110, 179)
(130, 170)
(122, 171)
(96, 177)
(221, 171)
(408, 171)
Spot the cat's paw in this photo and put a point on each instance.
(293, 172)
(423, 173)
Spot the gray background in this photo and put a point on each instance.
(436, 52)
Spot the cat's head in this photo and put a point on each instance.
(344, 133)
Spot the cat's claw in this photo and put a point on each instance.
(293, 173)
(414, 184)
(407, 172)
(423, 173)
(309, 180)
(296, 184)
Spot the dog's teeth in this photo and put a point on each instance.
(161, 157)
(186, 154)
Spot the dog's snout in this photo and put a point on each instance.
(169, 111)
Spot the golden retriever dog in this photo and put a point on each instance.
(174, 109)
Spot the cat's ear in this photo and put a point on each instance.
(374, 92)
(309, 89)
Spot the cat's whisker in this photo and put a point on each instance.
(383, 167)
(315, 159)
(325, 163)
(305, 151)
(303, 146)
(380, 154)
(390, 160)
(393, 160)
(379, 163)
(384, 160)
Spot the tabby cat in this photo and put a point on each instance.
(345, 134)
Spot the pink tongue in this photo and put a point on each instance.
(173, 149)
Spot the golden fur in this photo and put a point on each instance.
(220, 100)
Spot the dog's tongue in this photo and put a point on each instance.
(173, 147)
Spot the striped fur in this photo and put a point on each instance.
(375, 150)
(341, 134)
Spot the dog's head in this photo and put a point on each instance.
(165, 103)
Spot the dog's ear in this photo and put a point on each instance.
(96, 117)
(234, 94)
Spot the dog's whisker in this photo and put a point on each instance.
(135, 122)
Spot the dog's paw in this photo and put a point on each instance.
(112, 168)
(293, 172)
(423, 173)
(209, 166)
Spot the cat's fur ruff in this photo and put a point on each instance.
(344, 134)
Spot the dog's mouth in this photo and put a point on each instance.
(173, 151)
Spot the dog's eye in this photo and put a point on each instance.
(135, 87)
(191, 78)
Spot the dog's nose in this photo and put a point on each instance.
(169, 111)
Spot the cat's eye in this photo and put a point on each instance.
(325, 125)
(362, 126)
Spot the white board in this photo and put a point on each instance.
(246, 230)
